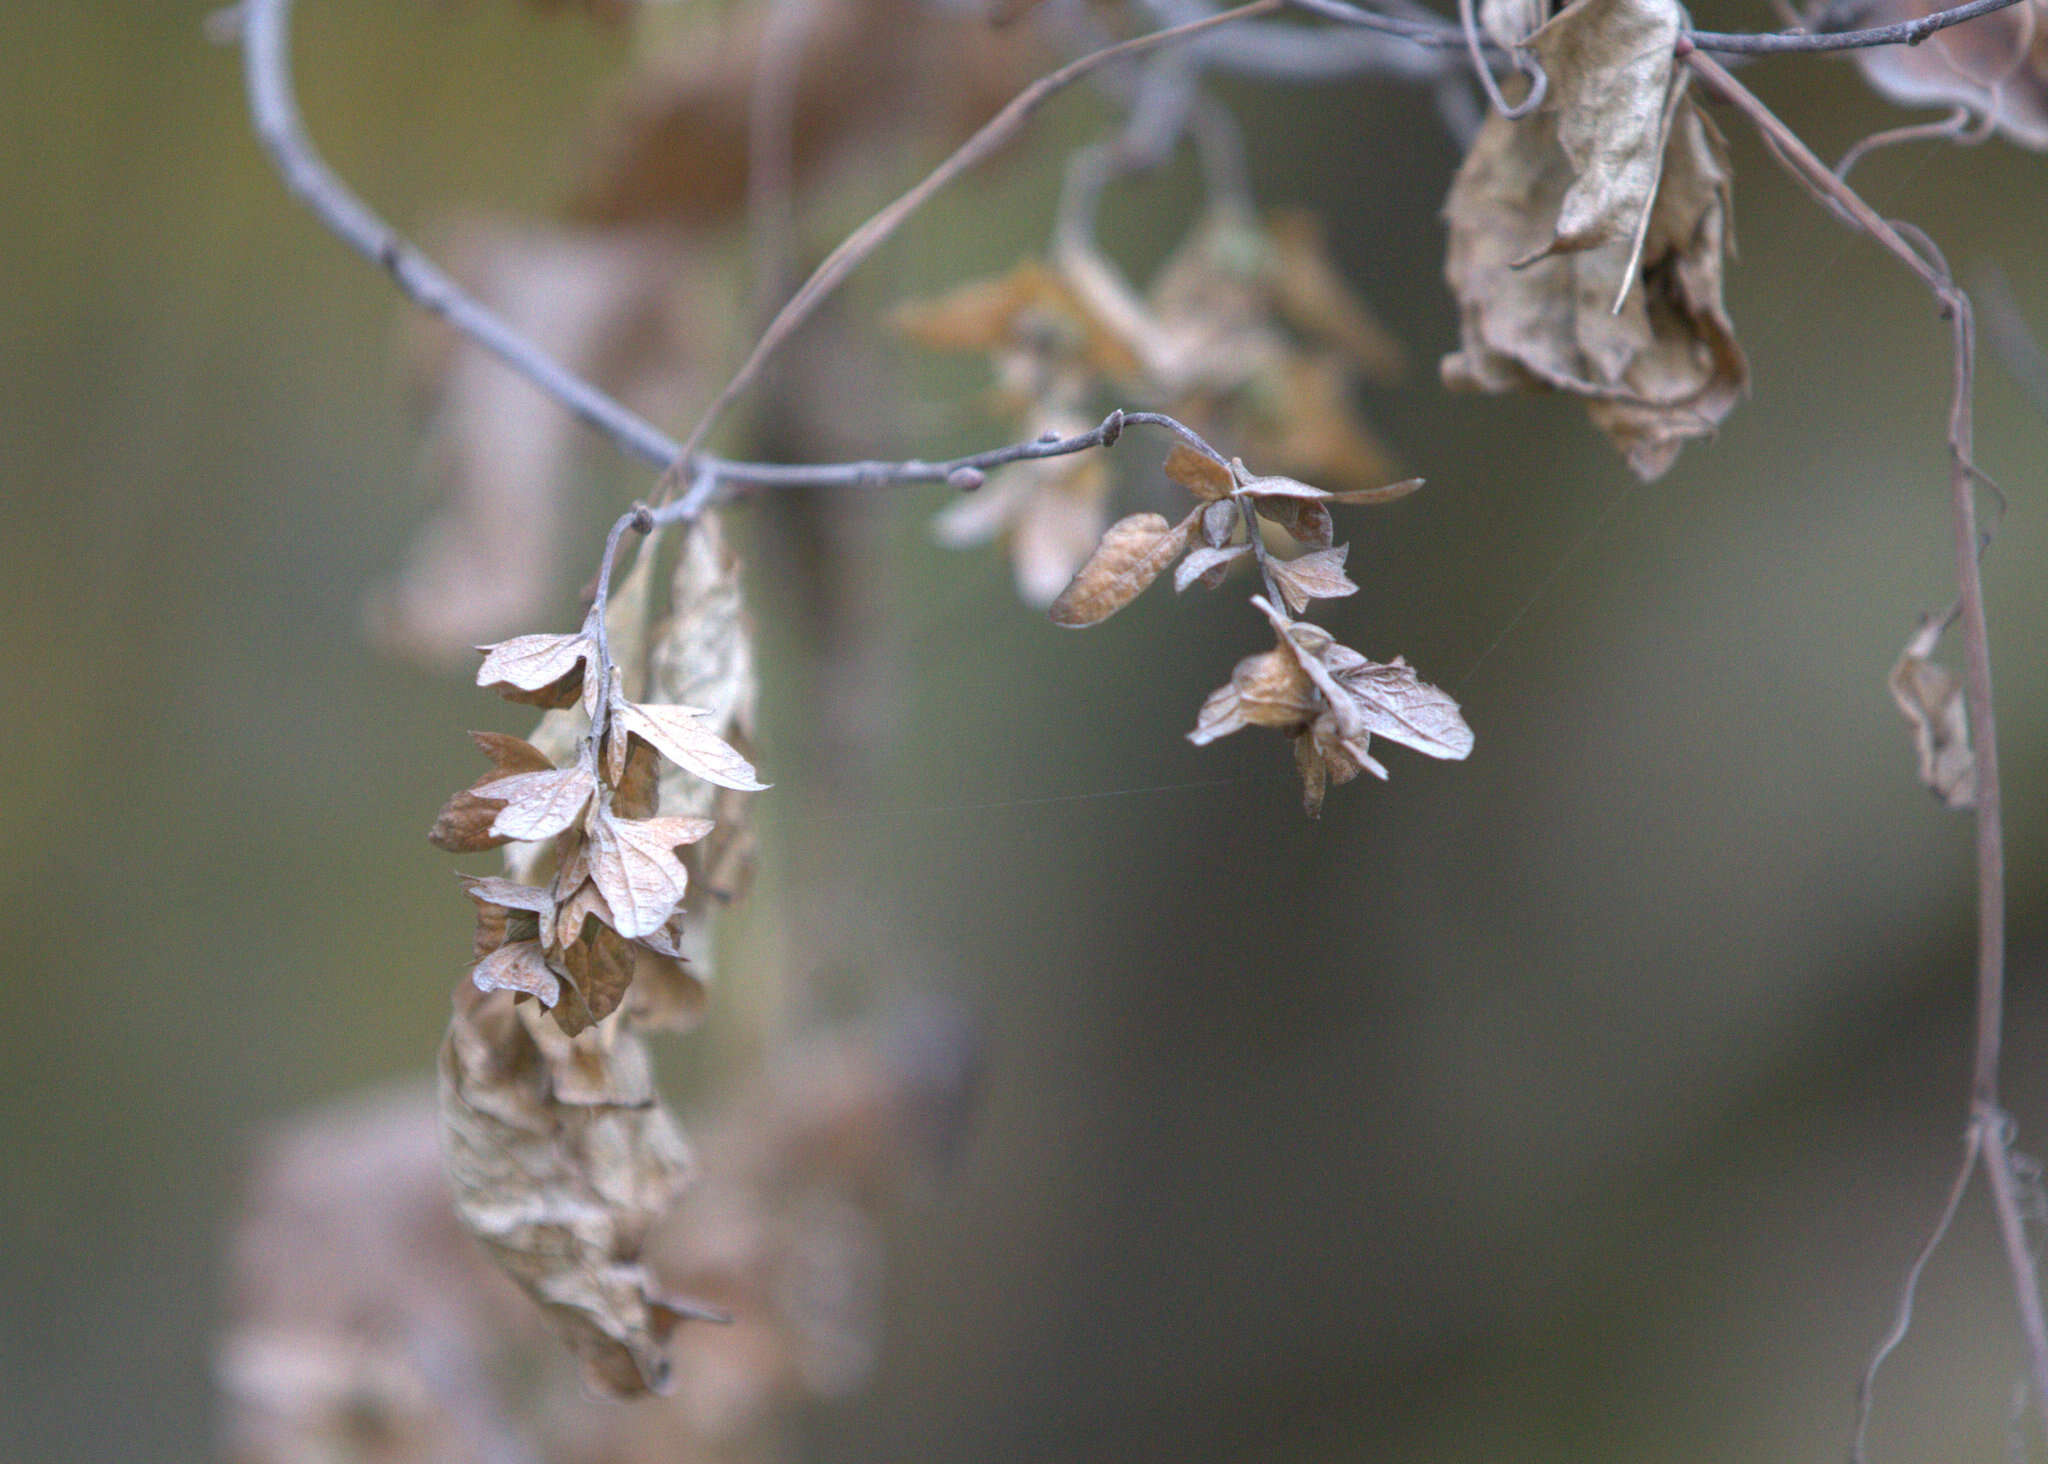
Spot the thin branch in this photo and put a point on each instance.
(863, 241)
(1443, 35)
(1905, 33)
(1987, 1118)
(266, 55)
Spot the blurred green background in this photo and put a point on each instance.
(1582, 1102)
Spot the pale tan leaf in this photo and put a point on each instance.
(518, 965)
(1199, 473)
(540, 805)
(1610, 64)
(1318, 575)
(539, 670)
(1663, 370)
(509, 894)
(1219, 717)
(1932, 699)
(1130, 556)
(1400, 706)
(634, 864)
(1058, 525)
(679, 734)
(1207, 564)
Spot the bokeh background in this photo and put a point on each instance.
(1584, 1101)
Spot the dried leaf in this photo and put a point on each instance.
(540, 805)
(1220, 521)
(1318, 575)
(634, 864)
(1996, 66)
(1932, 698)
(1199, 473)
(601, 964)
(679, 734)
(463, 826)
(518, 965)
(1130, 556)
(1610, 64)
(564, 1193)
(1207, 565)
(539, 670)
(1663, 370)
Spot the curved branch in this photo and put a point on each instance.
(267, 71)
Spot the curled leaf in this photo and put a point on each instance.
(1207, 565)
(1130, 557)
(1662, 369)
(561, 1160)
(539, 670)
(518, 965)
(1931, 697)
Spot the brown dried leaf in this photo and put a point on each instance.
(1663, 370)
(601, 964)
(1266, 690)
(1997, 66)
(634, 864)
(1220, 521)
(1030, 309)
(1610, 65)
(679, 734)
(1130, 556)
(463, 826)
(1199, 473)
(1318, 575)
(1932, 698)
(563, 1193)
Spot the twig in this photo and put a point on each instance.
(863, 241)
(266, 56)
(1905, 33)
(1988, 1121)
(1445, 35)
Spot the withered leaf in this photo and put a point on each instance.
(563, 1186)
(1932, 698)
(1266, 690)
(601, 964)
(1219, 522)
(1207, 565)
(1996, 66)
(1365, 696)
(510, 894)
(633, 862)
(463, 826)
(678, 734)
(540, 805)
(1131, 555)
(538, 670)
(1661, 371)
(1317, 575)
(1199, 473)
(1610, 65)
(518, 965)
